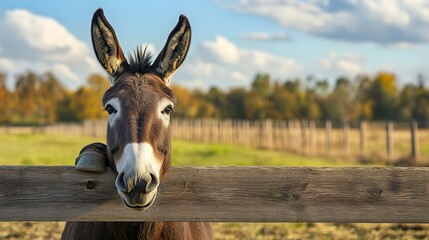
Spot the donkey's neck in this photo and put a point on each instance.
(134, 230)
(137, 230)
(115, 230)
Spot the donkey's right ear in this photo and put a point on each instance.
(106, 46)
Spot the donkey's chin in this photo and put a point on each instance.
(139, 202)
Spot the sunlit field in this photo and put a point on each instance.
(39, 149)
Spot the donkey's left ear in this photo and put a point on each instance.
(174, 51)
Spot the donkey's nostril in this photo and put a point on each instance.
(153, 183)
(140, 185)
(121, 183)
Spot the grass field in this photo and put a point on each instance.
(38, 149)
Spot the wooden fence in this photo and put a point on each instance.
(381, 140)
(245, 194)
(371, 140)
(93, 128)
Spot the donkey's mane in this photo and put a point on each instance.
(140, 60)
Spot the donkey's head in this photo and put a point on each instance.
(139, 103)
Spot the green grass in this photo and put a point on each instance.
(39, 149)
(202, 154)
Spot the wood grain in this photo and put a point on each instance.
(245, 194)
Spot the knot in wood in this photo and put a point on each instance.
(90, 184)
(375, 192)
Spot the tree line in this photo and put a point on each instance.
(42, 99)
(362, 98)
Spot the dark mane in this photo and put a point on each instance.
(140, 60)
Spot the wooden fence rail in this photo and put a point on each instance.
(245, 194)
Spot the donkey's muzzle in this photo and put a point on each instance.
(137, 192)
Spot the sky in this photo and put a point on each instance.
(232, 40)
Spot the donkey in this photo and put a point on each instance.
(139, 103)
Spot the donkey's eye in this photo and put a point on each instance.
(167, 110)
(110, 109)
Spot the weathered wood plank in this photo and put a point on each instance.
(276, 194)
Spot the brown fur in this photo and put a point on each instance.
(139, 86)
(138, 121)
(137, 230)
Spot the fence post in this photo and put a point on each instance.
(200, 133)
(304, 142)
(285, 134)
(231, 139)
(313, 148)
(389, 140)
(268, 133)
(362, 136)
(216, 127)
(222, 130)
(279, 135)
(190, 131)
(298, 136)
(414, 143)
(346, 139)
(328, 132)
(276, 128)
(237, 126)
(290, 135)
(246, 133)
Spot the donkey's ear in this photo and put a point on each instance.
(174, 51)
(106, 46)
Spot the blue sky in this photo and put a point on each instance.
(231, 41)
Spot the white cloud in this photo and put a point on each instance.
(64, 70)
(389, 12)
(263, 36)
(220, 50)
(238, 76)
(32, 42)
(200, 68)
(406, 45)
(381, 21)
(349, 64)
(212, 64)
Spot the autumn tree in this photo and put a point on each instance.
(309, 102)
(6, 99)
(98, 85)
(363, 100)
(65, 109)
(284, 104)
(51, 93)
(184, 106)
(27, 94)
(86, 102)
(341, 104)
(218, 99)
(257, 102)
(235, 103)
(414, 102)
(383, 94)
